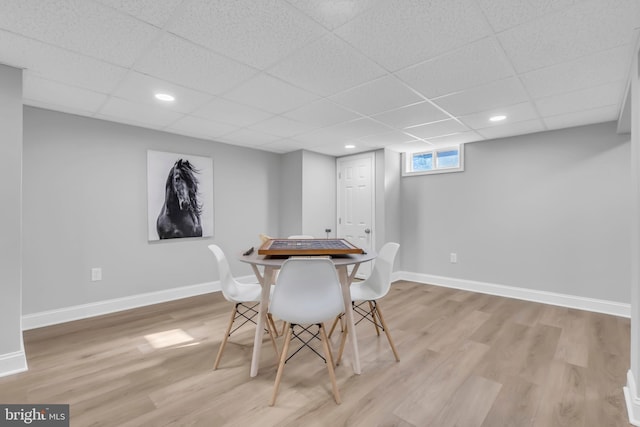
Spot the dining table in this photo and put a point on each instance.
(265, 267)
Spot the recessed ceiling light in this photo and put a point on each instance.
(497, 118)
(349, 146)
(165, 97)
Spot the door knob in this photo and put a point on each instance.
(367, 230)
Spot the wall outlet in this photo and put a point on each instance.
(96, 274)
(453, 257)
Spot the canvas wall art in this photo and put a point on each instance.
(180, 195)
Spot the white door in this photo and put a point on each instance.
(356, 200)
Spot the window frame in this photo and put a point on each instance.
(407, 161)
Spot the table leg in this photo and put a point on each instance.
(265, 280)
(351, 327)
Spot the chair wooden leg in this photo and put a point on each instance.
(373, 317)
(272, 323)
(333, 326)
(272, 334)
(332, 374)
(283, 358)
(343, 341)
(386, 331)
(226, 337)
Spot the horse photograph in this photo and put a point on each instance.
(180, 198)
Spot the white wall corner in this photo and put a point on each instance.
(632, 399)
(571, 301)
(13, 363)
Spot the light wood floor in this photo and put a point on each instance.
(467, 359)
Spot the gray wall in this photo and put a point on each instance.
(308, 196)
(10, 215)
(290, 221)
(547, 211)
(85, 206)
(319, 194)
(393, 197)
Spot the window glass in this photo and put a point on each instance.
(448, 159)
(423, 162)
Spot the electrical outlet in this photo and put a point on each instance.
(453, 257)
(96, 274)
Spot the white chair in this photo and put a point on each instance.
(246, 297)
(307, 292)
(369, 291)
(300, 236)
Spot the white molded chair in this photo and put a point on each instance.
(307, 292)
(246, 297)
(369, 291)
(300, 236)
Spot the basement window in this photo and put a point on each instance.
(440, 160)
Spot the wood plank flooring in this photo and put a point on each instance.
(467, 359)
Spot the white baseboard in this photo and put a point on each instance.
(13, 363)
(632, 399)
(563, 300)
(67, 314)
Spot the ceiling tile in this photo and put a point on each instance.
(179, 61)
(455, 138)
(270, 94)
(387, 93)
(338, 149)
(284, 145)
(54, 94)
(256, 35)
(584, 29)
(431, 130)
(399, 33)
(509, 129)
(585, 117)
(53, 63)
(496, 94)
(200, 128)
(503, 14)
(412, 147)
(321, 113)
(152, 11)
(248, 137)
(584, 99)
(282, 126)
(385, 139)
(591, 70)
(413, 115)
(142, 88)
(343, 132)
(327, 66)
(472, 65)
(81, 26)
(138, 113)
(515, 113)
(333, 13)
(357, 129)
(225, 111)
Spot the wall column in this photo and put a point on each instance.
(12, 356)
(631, 394)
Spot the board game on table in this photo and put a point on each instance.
(293, 247)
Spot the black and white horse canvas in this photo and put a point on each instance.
(180, 195)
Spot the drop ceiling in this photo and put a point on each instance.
(281, 76)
